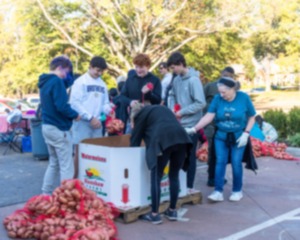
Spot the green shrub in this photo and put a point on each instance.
(294, 121)
(294, 140)
(278, 119)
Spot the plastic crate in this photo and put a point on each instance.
(26, 144)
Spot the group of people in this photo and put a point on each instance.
(167, 114)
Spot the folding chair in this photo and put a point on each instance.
(11, 136)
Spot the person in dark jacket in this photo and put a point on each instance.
(57, 118)
(136, 88)
(165, 140)
(141, 85)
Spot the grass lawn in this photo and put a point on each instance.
(276, 99)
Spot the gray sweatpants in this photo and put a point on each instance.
(82, 130)
(61, 163)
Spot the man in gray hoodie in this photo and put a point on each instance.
(187, 100)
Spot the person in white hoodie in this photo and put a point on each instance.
(89, 97)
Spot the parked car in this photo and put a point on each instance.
(6, 104)
(33, 100)
(10, 104)
(25, 106)
(258, 90)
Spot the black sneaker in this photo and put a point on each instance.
(171, 215)
(151, 218)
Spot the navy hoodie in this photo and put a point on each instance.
(132, 89)
(56, 110)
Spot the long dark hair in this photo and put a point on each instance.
(259, 120)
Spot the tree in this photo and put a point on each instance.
(211, 54)
(154, 27)
(277, 38)
(211, 34)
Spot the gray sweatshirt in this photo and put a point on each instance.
(187, 91)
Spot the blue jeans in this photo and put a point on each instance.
(222, 156)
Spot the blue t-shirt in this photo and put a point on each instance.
(256, 132)
(231, 116)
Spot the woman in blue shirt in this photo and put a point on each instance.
(234, 116)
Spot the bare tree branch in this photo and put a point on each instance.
(125, 18)
(72, 42)
(117, 26)
(167, 19)
(169, 50)
(139, 27)
(124, 36)
(112, 68)
(101, 22)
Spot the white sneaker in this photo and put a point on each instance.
(191, 191)
(216, 196)
(236, 196)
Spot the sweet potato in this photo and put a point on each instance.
(28, 234)
(12, 234)
(62, 222)
(49, 221)
(36, 235)
(72, 204)
(45, 236)
(91, 235)
(69, 184)
(68, 193)
(95, 204)
(21, 231)
(62, 199)
(76, 194)
(52, 238)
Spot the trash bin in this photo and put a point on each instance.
(39, 147)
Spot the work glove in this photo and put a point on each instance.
(242, 140)
(191, 130)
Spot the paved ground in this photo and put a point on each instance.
(269, 210)
(20, 177)
(275, 100)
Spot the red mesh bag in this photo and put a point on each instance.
(202, 152)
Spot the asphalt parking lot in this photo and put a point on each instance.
(269, 210)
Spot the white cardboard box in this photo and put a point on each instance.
(118, 173)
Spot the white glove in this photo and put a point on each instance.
(191, 130)
(242, 140)
(112, 105)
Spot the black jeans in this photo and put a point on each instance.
(176, 154)
(191, 172)
(209, 133)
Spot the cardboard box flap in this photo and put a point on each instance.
(113, 141)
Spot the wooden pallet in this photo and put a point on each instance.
(128, 216)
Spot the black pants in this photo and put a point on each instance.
(209, 133)
(176, 154)
(191, 172)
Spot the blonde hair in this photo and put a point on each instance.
(135, 109)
